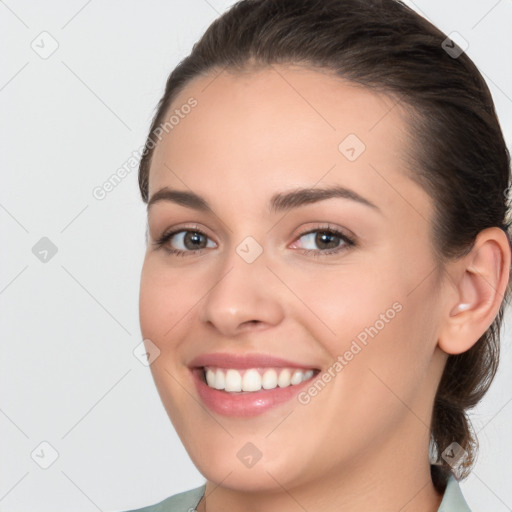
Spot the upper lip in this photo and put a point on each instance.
(244, 361)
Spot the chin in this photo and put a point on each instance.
(227, 466)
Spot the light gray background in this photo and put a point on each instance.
(69, 325)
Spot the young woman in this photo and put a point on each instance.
(328, 258)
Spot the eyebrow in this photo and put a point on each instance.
(279, 202)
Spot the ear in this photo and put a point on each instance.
(479, 280)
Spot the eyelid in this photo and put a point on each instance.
(326, 226)
(186, 227)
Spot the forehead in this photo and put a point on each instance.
(284, 126)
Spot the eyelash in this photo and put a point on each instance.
(347, 241)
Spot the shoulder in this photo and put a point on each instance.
(453, 500)
(182, 502)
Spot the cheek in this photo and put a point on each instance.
(164, 299)
(373, 321)
(340, 304)
(391, 374)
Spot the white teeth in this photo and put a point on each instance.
(233, 381)
(220, 380)
(296, 377)
(269, 380)
(284, 378)
(253, 379)
(308, 375)
(210, 378)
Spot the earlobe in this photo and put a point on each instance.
(480, 280)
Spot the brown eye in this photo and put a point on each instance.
(183, 242)
(324, 241)
(327, 240)
(194, 240)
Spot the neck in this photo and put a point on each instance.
(396, 478)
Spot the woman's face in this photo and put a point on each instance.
(343, 282)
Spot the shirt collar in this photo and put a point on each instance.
(453, 500)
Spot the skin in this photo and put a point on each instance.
(362, 442)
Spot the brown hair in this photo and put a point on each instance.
(459, 154)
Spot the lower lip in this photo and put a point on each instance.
(244, 404)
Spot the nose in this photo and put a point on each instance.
(243, 297)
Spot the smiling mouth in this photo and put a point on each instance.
(252, 380)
